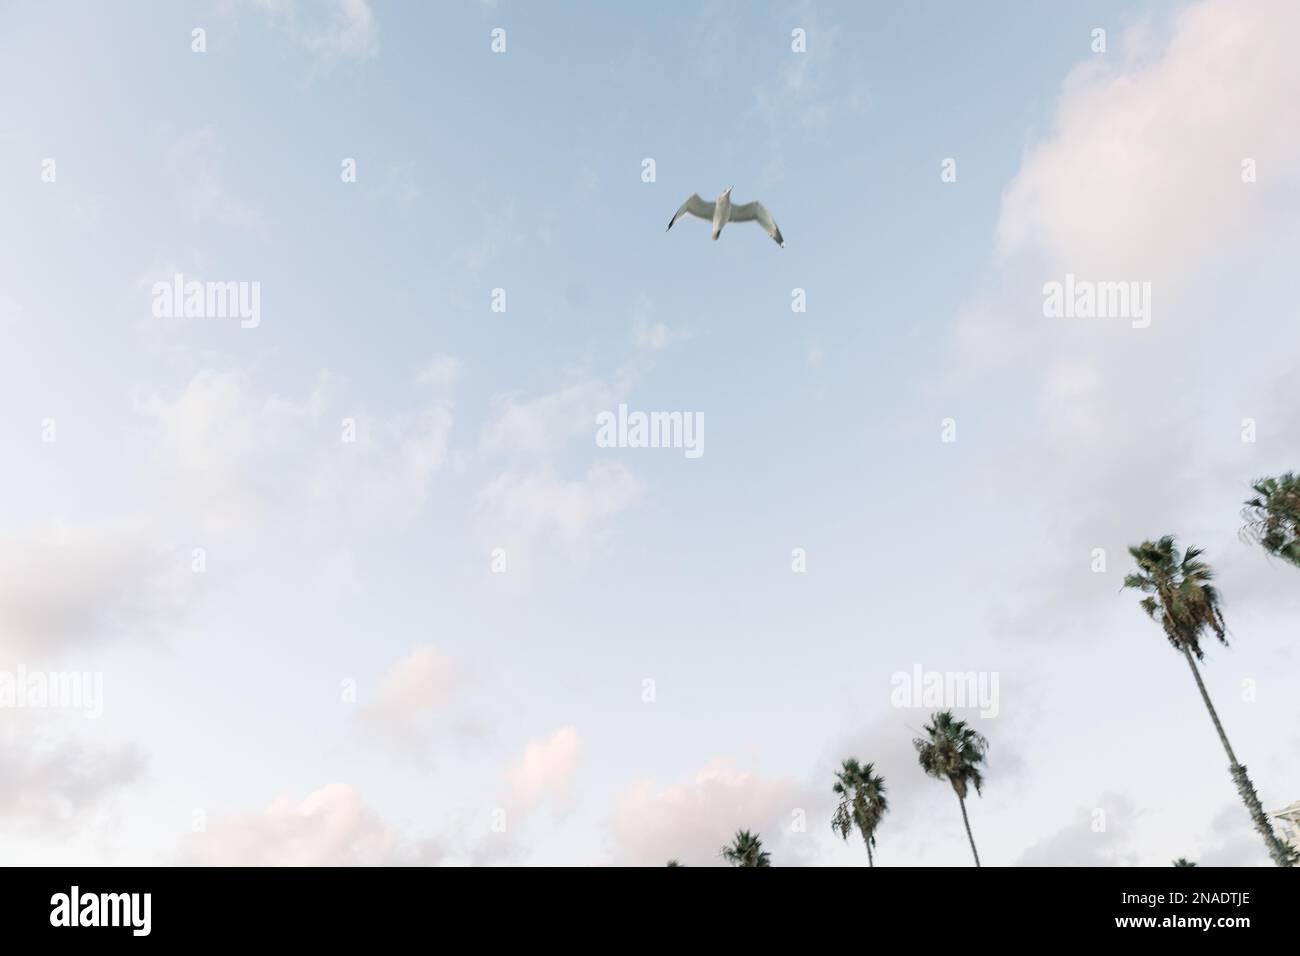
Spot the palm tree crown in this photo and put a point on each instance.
(862, 802)
(1273, 516)
(952, 749)
(1180, 596)
(746, 849)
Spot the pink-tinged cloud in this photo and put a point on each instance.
(691, 821)
(1143, 127)
(422, 682)
(546, 771)
(329, 827)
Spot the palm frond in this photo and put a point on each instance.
(1179, 595)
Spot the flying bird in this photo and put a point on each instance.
(722, 212)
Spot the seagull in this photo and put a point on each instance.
(722, 212)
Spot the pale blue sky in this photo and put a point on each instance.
(522, 171)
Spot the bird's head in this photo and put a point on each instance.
(727, 191)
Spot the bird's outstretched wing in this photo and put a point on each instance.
(755, 211)
(696, 207)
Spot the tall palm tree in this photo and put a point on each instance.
(746, 849)
(1183, 861)
(1273, 516)
(1182, 600)
(953, 750)
(862, 802)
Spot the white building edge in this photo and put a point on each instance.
(1290, 817)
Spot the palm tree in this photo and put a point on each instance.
(1273, 516)
(746, 849)
(953, 750)
(674, 863)
(862, 802)
(1184, 602)
(1183, 861)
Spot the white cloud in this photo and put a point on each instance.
(418, 699)
(59, 784)
(352, 32)
(232, 455)
(442, 372)
(385, 474)
(655, 336)
(1141, 177)
(1232, 840)
(523, 506)
(227, 459)
(527, 506)
(545, 772)
(692, 821)
(649, 334)
(339, 29)
(1099, 835)
(63, 584)
(798, 95)
(545, 424)
(516, 512)
(806, 94)
(214, 441)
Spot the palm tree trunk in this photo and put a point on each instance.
(870, 861)
(966, 820)
(1282, 854)
(1205, 696)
